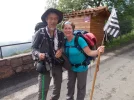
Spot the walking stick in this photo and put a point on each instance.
(96, 70)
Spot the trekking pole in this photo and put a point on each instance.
(96, 70)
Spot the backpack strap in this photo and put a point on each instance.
(51, 42)
(66, 47)
(37, 39)
(76, 43)
(60, 39)
(85, 62)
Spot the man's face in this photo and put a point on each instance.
(52, 20)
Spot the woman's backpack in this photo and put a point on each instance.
(90, 39)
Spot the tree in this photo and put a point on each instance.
(72, 5)
(51, 4)
(124, 9)
(125, 15)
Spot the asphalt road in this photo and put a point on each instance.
(115, 81)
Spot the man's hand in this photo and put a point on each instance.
(58, 53)
(41, 56)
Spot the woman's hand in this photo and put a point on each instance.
(101, 49)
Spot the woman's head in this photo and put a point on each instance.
(68, 28)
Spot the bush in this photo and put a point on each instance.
(121, 40)
(126, 25)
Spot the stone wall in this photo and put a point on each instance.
(15, 64)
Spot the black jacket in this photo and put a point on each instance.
(41, 43)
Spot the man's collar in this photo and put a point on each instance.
(47, 29)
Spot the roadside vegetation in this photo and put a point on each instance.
(122, 40)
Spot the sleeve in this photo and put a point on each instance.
(35, 45)
(82, 42)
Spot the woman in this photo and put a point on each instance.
(76, 57)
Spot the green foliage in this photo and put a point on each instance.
(51, 4)
(73, 5)
(59, 26)
(125, 15)
(126, 25)
(125, 9)
(70, 5)
(116, 42)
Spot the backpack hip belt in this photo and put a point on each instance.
(80, 64)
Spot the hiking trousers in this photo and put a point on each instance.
(81, 78)
(44, 82)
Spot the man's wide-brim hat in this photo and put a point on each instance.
(52, 10)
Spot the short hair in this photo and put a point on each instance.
(68, 22)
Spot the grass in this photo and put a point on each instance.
(121, 40)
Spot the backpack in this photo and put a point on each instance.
(88, 37)
(90, 40)
(39, 25)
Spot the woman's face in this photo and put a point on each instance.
(68, 30)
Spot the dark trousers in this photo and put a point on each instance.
(44, 82)
(81, 78)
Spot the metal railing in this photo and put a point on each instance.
(1, 55)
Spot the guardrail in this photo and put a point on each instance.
(1, 55)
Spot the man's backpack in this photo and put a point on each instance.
(91, 41)
(39, 25)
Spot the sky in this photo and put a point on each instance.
(18, 19)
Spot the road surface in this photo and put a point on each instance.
(115, 81)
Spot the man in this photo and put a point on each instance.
(48, 44)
